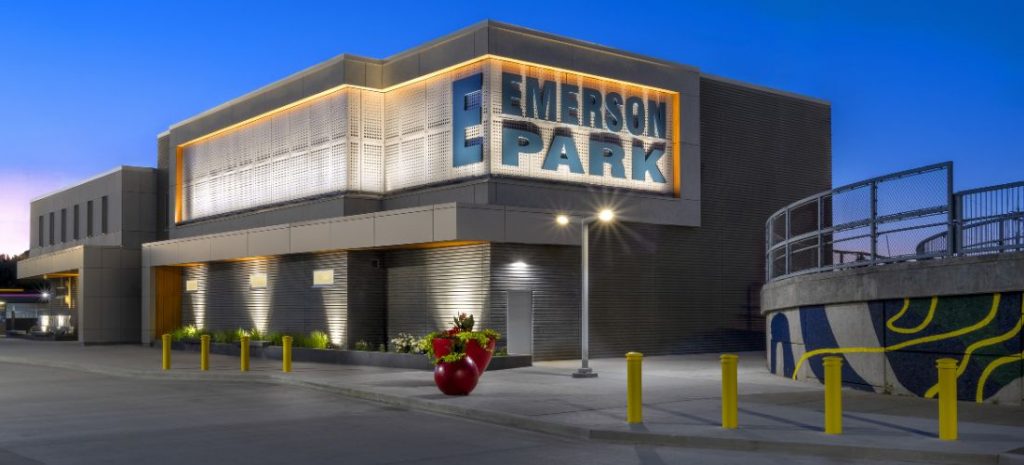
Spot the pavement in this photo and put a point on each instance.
(681, 403)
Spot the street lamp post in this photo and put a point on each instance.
(603, 216)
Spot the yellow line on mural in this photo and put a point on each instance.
(962, 367)
(921, 340)
(906, 305)
(980, 393)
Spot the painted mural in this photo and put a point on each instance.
(891, 345)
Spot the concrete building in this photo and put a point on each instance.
(86, 243)
(367, 197)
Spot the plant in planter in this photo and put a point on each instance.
(405, 343)
(458, 347)
(188, 333)
(317, 340)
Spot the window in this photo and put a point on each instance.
(51, 227)
(75, 230)
(323, 278)
(88, 219)
(104, 215)
(63, 225)
(258, 281)
(39, 230)
(191, 285)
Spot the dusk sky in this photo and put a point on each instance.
(87, 86)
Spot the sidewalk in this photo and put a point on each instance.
(681, 402)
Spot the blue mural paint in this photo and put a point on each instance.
(780, 339)
(817, 332)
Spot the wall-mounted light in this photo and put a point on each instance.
(606, 215)
(519, 264)
(323, 278)
(562, 220)
(258, 281)
(191, 285)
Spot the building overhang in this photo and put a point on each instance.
(63, 261)
(434, 225)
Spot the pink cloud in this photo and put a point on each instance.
(19, 188)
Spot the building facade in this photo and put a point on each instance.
(86, 244)
(368, 197)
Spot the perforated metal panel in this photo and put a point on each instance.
(361, 140)
(531, 165)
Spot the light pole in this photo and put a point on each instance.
(604, 216)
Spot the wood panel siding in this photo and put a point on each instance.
(167, 283)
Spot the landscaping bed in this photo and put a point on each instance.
(264, 351)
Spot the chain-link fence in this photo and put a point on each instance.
(880, 220)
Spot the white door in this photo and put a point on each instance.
(520, 322)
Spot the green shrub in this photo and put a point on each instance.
(362, 345)
(185, 333)
(275, 338)
(317, 340)
(382, 348)
(256, 335)
(225, 336)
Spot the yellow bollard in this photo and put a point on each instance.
(634, 388)
(286, 354)
(204, 352)
(730, 405)
(833, 395)
(947, 399)
(166, 348)
(245, 353)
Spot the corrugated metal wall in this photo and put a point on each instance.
(426, 288)
(553, 274)
(664, 289)
(289, 303)
(367, 303)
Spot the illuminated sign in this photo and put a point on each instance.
(487, 117)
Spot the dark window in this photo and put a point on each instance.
(40, 230)
(75, 229)
(63, 224)
(88, 219)
(104, 215)
(51, 227)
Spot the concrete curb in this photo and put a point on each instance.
(558, 429)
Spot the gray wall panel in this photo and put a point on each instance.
(428, 287)
(553, 274)
(289, 303)
(666, 289)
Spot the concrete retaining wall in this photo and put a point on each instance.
(891, 324)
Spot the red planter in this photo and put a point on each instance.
(456, 378)
(481, 355)
(442, 347)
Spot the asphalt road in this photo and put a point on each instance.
(57, 417)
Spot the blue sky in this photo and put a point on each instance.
(85, 87)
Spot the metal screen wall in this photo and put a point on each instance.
(363, 140)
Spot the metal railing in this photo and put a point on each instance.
(905, 216)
